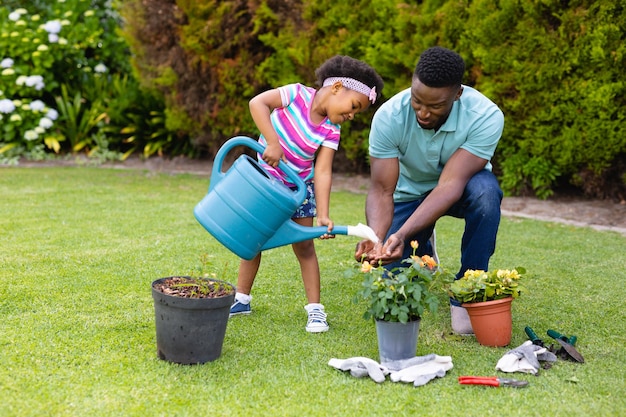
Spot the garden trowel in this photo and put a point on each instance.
(567, 345)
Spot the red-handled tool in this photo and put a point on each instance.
(493, 381)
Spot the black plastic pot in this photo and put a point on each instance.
(190, 330)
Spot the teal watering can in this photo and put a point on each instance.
(248, 211)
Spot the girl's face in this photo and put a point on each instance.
(345, 103)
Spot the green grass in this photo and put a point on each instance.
(80, 247)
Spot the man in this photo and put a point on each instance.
(430, 147)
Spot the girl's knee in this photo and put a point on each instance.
(304, 249)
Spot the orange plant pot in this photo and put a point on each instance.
(491, 321)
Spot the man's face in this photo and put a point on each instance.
(432, 105)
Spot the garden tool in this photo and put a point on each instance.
(525, 358)
(567, 345)
(248, 211)
(493, 381)
(533, 336)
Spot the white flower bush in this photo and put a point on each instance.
(37, 55)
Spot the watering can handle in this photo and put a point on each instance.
(217, 174)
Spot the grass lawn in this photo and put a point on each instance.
(80, 246)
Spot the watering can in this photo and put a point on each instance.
(248, 210)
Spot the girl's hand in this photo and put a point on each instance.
(273, 154)
(325, 221)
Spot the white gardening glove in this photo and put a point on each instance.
(525, 358)
(420, 369)
(360, 367)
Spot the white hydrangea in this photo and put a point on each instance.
(6, 106)
(100, 68)
(37, 105)
(6, 63)
(35, 81)
(52, 114)
(30, 135)
(45, 123)
(52, 26)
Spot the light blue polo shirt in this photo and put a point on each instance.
(475, 124)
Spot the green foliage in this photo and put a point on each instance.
(65, 54)
(554, 68)
(403, 294)
(478, 286)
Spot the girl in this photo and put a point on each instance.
(301, 125)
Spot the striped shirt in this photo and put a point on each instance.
(299, 137)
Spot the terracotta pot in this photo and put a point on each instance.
(491, 321)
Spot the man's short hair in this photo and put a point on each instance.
(440, 67)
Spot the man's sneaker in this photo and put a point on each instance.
(317, 319)
(239, 308)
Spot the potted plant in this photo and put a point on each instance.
(397, 299)
(487, 297)
(191, 314)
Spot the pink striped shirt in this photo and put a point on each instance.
(299, 137)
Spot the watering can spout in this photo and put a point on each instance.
(292, 232)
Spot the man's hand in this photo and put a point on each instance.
(364, 250)
(379, 254)
(392, 249)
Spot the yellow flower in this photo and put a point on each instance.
(414, 244)
(366, 267)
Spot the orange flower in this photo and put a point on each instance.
(414, 244)
(429, 261)
(366, 267)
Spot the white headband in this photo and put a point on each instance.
(354, 85)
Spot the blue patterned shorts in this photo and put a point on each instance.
(307, 209)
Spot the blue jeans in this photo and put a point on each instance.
(479, 206)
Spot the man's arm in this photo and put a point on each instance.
(454, 177)
(379, 204)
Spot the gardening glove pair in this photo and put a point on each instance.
(360, 367)
(420, 369)
(525, 358)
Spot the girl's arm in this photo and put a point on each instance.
(261, 106)
(323, 182)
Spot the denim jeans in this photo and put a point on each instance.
(479, 206)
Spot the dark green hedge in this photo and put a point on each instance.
(554, 67)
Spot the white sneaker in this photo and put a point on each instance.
(317, 318)
(460, 321)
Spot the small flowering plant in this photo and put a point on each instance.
(477, 286)
(402, 294)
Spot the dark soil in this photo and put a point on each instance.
(187, 287)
